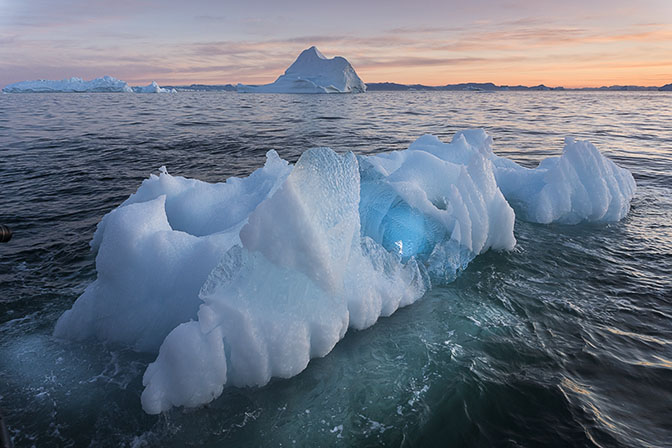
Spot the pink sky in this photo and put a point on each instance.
(571, 43)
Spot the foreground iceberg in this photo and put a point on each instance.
(312, 72)
(239, 282)
(78, 85)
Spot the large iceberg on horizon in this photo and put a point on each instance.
(312, 72)
(239, 282)
(78, 85)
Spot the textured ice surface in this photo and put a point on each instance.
(302, 275)
(156, 250)
(78, 85)
(312, 72)
(246, 280)
(438, 203)
(580, 185)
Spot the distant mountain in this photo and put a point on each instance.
(490, 87)
(465, 86)
(312, 72)
(204, 88)
(620, 88)
(666, 88)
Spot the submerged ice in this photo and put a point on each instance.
(238, 282)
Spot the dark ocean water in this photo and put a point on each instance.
(565, 341)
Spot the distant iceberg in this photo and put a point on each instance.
(152, 88)
(78, 85)
(312, 72)
(72, 85)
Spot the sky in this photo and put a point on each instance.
(571, 43)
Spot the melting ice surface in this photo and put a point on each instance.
(241, 281)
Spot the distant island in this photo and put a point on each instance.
(490, 87)
(467, 86)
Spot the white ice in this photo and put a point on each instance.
(156, 250)
(246, 280)
(580, 185)
(312, 72)
(78, 85)
(103, 84)
(153, 87)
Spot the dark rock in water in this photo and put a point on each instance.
(5, 233)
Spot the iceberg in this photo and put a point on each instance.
(78, 85)
(72, 85)
(312, 72)
(238, 282)
(153, 87)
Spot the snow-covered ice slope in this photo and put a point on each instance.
(312, 72)
(78, 85)
(249, 279)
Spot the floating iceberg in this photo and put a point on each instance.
(72, 85)
(238, 282)
(152, 88)
(78, 85)
(312, 72)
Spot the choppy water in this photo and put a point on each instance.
(566, 341)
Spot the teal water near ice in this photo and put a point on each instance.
(565, 341)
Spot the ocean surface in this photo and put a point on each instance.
(564, 341)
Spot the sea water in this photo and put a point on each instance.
(564, 341)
